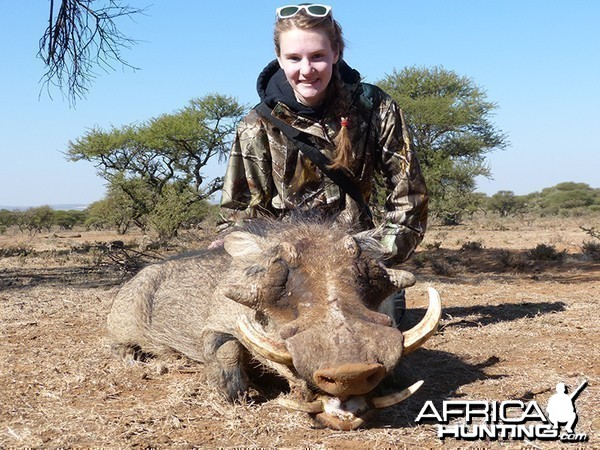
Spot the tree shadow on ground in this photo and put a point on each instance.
(445, 373)
(78, 277)
(452, 264)
(482, 315)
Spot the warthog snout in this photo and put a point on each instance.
(349, 379)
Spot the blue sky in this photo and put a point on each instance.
(539, 60)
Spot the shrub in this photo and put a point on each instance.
(419, 260)
(15, 250)
(509, 260)
(544, 252)
(474, 246)
(435, 245)
(441, 267)
(591, 249)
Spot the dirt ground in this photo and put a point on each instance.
(514, 325)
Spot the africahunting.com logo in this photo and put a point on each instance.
(507, 420)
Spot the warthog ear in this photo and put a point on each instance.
(242, 245)
(369, 244)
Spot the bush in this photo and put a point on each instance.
(591, 249)
(568, 199)
(509, 260)
(15, 250)
(474, 246)
(441, 267)
(435, 245)
(543, 252)
(178, 207)
(565, 199)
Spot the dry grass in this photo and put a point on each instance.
(508, 332)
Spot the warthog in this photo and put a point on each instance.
(300, 298)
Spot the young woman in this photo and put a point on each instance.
(311, 97)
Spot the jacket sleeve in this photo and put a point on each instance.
(407, 197)
(248, 183)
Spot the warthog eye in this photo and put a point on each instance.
(254, 270)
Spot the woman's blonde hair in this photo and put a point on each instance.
(337, 99)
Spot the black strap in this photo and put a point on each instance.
(319, 159)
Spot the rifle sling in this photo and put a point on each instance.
(319, 159)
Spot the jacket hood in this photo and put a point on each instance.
(273, 87)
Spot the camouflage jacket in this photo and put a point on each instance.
(268, 175)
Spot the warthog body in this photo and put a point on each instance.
(300, 298)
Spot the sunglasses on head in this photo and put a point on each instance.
(315, 10)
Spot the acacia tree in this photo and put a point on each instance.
(115, 211)
(449, 118)
(81, 35)
(159, 165)
(506, 203)
(35, 219)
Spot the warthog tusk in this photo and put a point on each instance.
(393, 399)
(297, 405)
(401, 278)
(258, 341)
(417, 335)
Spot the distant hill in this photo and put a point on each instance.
(65, 207)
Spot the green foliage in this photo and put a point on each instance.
(7, 218)
(170, 148)
(115, 211)
(155, 170)
(66, 220)
(34, 220)
(176, 208)
(131, 203)
(565, 199)
(568, 198)
(449, 118)
(506, 203)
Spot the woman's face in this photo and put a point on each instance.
(307, 59)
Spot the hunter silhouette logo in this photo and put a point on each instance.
(509, 419)
(561, 407)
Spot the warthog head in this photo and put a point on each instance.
(315, 291)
